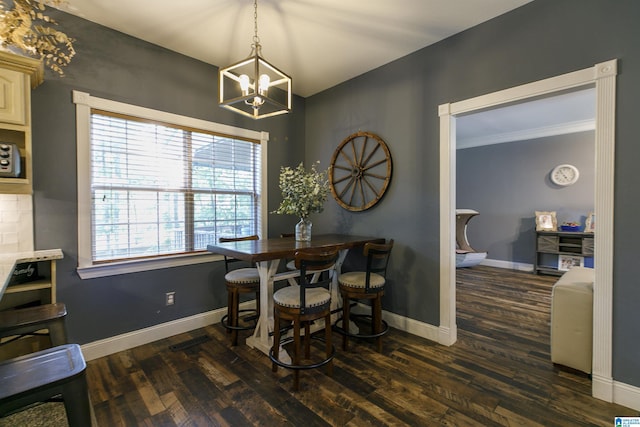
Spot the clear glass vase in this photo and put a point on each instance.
(303, 230)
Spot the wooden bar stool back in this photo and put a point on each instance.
(302, 305)
(365, 285)
(239, 281)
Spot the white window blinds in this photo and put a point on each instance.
(160, 189)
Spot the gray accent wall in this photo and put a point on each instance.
(398, 101)
(114, 66)
(508, 182)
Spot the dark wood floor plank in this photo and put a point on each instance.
(498, 373)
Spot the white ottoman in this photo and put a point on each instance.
(572, 319)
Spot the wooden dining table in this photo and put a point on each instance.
(267, 254)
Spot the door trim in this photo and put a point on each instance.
(603, 77)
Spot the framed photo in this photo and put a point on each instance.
(566, 262)
(546, 221)
(590, 223)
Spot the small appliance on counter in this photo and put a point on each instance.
(9, 160)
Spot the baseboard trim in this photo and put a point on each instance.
(510, 265)
(603, 388)
(414, 327)
(626, 395)
(107, 346)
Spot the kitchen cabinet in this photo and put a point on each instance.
(18, 75)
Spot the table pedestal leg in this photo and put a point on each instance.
(261, 338)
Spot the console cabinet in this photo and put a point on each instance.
(553, 246)
(18, 75)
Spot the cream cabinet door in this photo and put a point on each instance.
(12, 92)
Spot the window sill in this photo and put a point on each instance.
(125, 267)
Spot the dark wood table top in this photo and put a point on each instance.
(286, 247)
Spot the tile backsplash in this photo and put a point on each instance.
(16, 223)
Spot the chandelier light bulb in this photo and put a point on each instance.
(244, 84)
(263, 85)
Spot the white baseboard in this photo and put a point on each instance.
(412, 326)
(626, 395)
(507, 264)
(604, 389)
(107, 346)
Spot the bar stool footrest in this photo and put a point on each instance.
(224, 321)
(367, 317)
(306, 365)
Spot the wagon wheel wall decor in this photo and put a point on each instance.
(360, 171)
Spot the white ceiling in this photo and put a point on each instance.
(319, 43)
(557, 115)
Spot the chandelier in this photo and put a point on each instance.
(253, 87)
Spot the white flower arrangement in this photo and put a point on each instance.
(303, 192)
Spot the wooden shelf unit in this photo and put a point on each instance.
(27, 294)
(39, 291)
(550, 245)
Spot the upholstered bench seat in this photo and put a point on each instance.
(290, 297)
(572, 319)
(242, 276)
(358, 279)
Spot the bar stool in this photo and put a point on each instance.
(302, 305)
(39, 376)
(365, 285)
(28, 321)
(239, 281)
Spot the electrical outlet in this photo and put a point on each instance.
(171, 298)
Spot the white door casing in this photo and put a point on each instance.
(603, 77)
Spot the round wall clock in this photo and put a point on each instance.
(564, 175)
(360, 171)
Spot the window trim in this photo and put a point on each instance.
(84, 104)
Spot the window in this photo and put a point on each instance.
(154, 189)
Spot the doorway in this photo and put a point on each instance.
(603, 77)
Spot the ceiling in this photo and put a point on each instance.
(319, 43)
(322, 43)
(559, 114)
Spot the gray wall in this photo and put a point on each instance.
(398, 101)
(507, 183)
(114, 66)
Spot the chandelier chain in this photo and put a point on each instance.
(256, 39)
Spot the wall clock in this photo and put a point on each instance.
(564, 175)
(360, 171)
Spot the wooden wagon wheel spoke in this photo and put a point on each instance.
(344, 178)
(366, 181)
(371, 155)
(379, 162)
(347, 187)
(360, 171)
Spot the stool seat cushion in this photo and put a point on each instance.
(290, 297)
(357, 279)
(243, 276)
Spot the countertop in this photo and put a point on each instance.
(9, 261)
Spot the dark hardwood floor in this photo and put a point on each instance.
(498, 373)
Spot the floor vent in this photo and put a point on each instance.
(189, 343)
